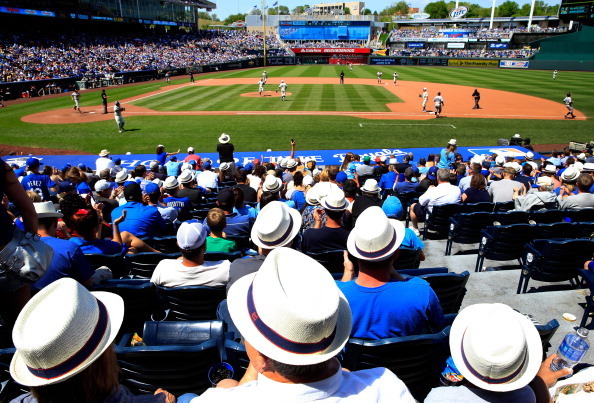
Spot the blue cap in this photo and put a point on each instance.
(206, 165)
(66, 167)
(151, 188)
(82, 167)
(341, 177)
(432, 173)
(66, 186)
(19, 171)
(393, 207)
(117, 161)
(173, 159)
(33, 162)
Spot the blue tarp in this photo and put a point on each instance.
(322, 157)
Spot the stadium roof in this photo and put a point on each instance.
(195, 3)
(475, 20)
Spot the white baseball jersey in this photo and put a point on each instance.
(283, 87)
(568, 101)
(438, 100)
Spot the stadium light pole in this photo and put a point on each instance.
(492, 14)
(531, 14)
(264, 29)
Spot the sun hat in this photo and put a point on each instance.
(104, 153)
(47, 210)
(62, 330)
(272, 184)
(33, 162)
(392, 207)
(224, 138)
(392, 161)
(186, 176)
(152, 188)
(154, 164)
(158, 182)
(224, 166)
(588, 167)
(276, 225)
(186, 166)
(550, 168)
(477, 159)
(500, 160)
(190, 149)
(570, 174)
(517, 136)
(495, 347)
(533, 165)
(375, 237)
(581, 157)
(452, 142)
(578, 165)
(291, 310)
(102, 185)
(529, 156)
(291, 163)
(370, 186)
(191, 235)
(170, 183)
(544, 181)
(283, 162)
(334, 201)
(308, 180)
(122, 176)
(432, 173)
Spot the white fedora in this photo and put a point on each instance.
(495, 347)
(224, 166)
(452, 142)
(291, 163)
(123, 176)
(276, 225)
(335, 201)
(46, 210)
(224, 138)
(550, 168)
(370, 186)
(171, 182)
(186, 176)
(272, 184)
(62, 330)
(570, 174)
(104, 153)
(291, 310)
(375, 237)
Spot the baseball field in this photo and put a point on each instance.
(318, 112)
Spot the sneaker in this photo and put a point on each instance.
(416, 231)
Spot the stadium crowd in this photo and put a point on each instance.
(484, 53)
(401, 34)
(33, 57)
(286, 211)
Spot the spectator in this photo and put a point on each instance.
(106, 195)
(447, 157)
(216, 241)
(477, 192)
(208, 179)
(183, 205)
(584, 199)
(410, 183)
(503, 190)
(475, 168)
(225, 150)
(297, 194)
(237, 224)
(332, 236)
(370, 197)
(384, 304)
(428, 181)
(192, 156)
(189, 189)
(191, 269)
(103, 162)
(152, 197)
(249, 193)
(40, 184)
(294, 298)
(141, 221)
(388, 179)
(365, 169)
(535, 200)
(162, 155)
(173, 167)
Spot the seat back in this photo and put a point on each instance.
(584, 230)
(503, 206)
(200, 214)
(407, 198)
(450, 289)
(242, 242)
(191, 302)
(9, 388)
(546, 216)
(116, 263)
(583, 215)
(505, 242)
(557, 260)
(466, 227)
(166, 244)
(556, 230)
(182, 333)
(481, 206)
(139, 297)
(546, 333)
(511, 217)
(438, 220)
(416, 360)
(332, 260)
(216, 256)
(142, 265)
(407, 259)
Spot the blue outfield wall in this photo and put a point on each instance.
(322, 157)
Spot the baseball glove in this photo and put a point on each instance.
(276, 91)
(420, 95)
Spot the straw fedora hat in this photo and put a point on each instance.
(276, 225)
(62, 330)
(272, 184)
(495, 347)
(335, 201)
(224, 138)
(370, 186)
(104, 153)
(171, 182)
(295, 313)
(46, 210)
(375, 237)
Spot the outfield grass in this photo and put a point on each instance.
(254, 133)
(303, 97)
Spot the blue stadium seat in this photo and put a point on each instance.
(546, 333)
(116, 263)
(142, 265)
(407, 259)
(190, 302)
(438, 221)
(466, 228)
(216, 256)
(503, 242)
(450, 289)
(166, 244)
(588, 277)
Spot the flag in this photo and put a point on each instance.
(275, 4)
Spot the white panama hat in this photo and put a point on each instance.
(334, 201)
(452, 142)
(46, 210)
(171, 182)
(62, 330)
(186, 176)
(291, 310)
(276, 225)
(375, 237)
(495, 347)
(104, 153)
(570, 174)
(123, 176)
(224, 138)
(370, 186)
(272, 184)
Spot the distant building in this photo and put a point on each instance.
(355, 7)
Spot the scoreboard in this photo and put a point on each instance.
(577, 10)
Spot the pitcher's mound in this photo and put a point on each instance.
(264, 94)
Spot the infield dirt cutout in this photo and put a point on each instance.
(458, 103)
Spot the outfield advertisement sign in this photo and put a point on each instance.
(472, 63)
(332, 50)
(513, 64)
(322, 157)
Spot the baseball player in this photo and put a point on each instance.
(342, 77)
(117, 112)
(395, 77)
(283, 89)
(265, 77)
(76, 98)
(351, 66)
(425, 96)
(569, 105)
(261, 83)
(192, 77)
(168, 78)
(555, 75)
(439, 103)
(379, 77)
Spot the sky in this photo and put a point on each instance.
(227, 7)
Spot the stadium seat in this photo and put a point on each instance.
(549, 260)
(166, 244)
(466, 228)
(588, 277)
(190, 302)
(503, 242)
(476, 207)
(438, 221)
(177, 357)
(333, 261)
(510, 217)
(416, 360)
(546, 333)
(583, 215)
(9, 389)
(450, 289)
(504, 206)
(556, 230)
(142, 265)
(116, 263)
(546, 216)
(423, 271)
(407, 259)
(200, 214)
(216, 256)
(406, 199)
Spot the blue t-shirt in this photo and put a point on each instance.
(178, 203)
(40, 184)
(173, 168)
(397, 308)
(103, 246)
(142, 221)
(446, 158)
(83, 188)
(161, 157)
(406, 187)
(68, 261)
(411, 240)
(298, 197)
(387, 180)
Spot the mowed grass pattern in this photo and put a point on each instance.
(302, 97)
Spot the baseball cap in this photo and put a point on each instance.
(392, 207)
(191, 235)
(33, 162)
(206, 165)
(154, 164)
(432, 173)
(66, 186)
(367, 158)
(226, 198)
(341, 177)
(151, 188)
(132, 190)
(190, 149)
(102, 185)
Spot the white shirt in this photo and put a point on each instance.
(425, 95)
(172, 273)
(282, 87)
(444, 193)
(207, 179)
(438, 100)
(568, 101)
(103, 163)
(254, 181)
(370, 385)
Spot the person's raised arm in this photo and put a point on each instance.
(16, 193)
(292, 149)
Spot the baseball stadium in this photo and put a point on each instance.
(157, 156)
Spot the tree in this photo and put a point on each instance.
(283, 10)
(299, 10)
(508, 8)
(256, 11)
(214, 17)
(437, 9)
(234, 17)
(400, 8)
(346, 11)
(367, 12)
(204, 15)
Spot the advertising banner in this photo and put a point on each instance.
(456, 45)
(332, 50)
(513, 64)
(472, 63)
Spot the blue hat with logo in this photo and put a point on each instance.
(432, 173)
(393, 207)
(151, 188)
(33, 162)
(206, 165)
(66, 186)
